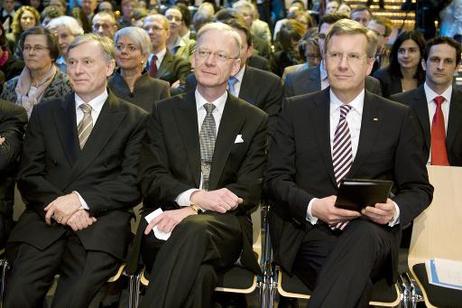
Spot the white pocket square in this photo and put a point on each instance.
(239, 139)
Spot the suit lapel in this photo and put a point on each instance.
(186, 116)
(65, 120)
(321, 120)
(370, 127)
(246, 92)
(230, 125)
(421, 110)
(164, 66)
(455, 112)
(109, 120)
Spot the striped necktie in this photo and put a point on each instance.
(342, 153)
(85, 126)
(207, 137)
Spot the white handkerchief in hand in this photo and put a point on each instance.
(239, 139)
(157, 233)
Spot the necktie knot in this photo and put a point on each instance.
(344, 109)
(86, 108)
(438, 101)
(209, 108)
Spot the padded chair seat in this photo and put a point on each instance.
(381, 292)
(438, 296)
(236, 277)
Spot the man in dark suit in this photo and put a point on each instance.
(323, 137)
(161, 63)
(314, 79)
(441, 60)
(260, 88)
(78, 178)
(202, 161)
(13, 120)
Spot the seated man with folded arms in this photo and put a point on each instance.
(202, 161)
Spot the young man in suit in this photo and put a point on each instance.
(323, 137)
(438, 104)
(315, 78)
(79, 178)
(162, 63)
(13, 120)
(202, 162)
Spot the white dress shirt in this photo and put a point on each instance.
(183, 199)
(160, 57)
(96, 106)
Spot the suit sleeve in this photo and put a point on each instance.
(12, 126)
(273, 103)
(289, 86)
(280, 175)
(182, 69)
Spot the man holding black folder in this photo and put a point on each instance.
(324, 137)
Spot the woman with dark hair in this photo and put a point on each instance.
(40, 79)
(286, 44)
(26, 17)
(405, 71)
(9, 66)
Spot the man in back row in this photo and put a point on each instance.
(324, 137)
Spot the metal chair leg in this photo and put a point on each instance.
(4, 266)
(134, 290)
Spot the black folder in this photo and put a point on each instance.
(356, 194)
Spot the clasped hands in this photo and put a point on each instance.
(67, 210)
(220, 200)
(337, 218)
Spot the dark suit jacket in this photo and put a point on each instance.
(13, 120)
(170, 157)
(309, 80)
(104, 172)
(147, 90)
(260, 88)
(417, 100)
(300, 165)
(173, 68)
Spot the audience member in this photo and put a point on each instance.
(126, 7)
(176, 44)
(344, 9)
(49, 13)
(79, 178)
(331, 7)
(66, 29)
(361, 14)
(40, 79)
(257, 27)
(104, 24)
(309, 48)
(9, 65)
(339, 253)
(179, 177)
(405, 71)
(162, 64)
(132, 82)
(7, 12)
(438, 104)
(382, 27)
(13, 120)
(26, 17)
(60, 5)
(106, 6)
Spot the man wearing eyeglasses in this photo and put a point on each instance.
(104, 24)
(202, 161)
(315, 78)
(343, 132)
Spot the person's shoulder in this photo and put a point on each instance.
(8, 108)
(247, 109)
(387, 105)
(126, 106)
(302, 73)
(262, 75)
(382, 73)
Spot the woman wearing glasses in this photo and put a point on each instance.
(40, 79)
(131, 82)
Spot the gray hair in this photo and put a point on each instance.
(106, 44)
(139, 37)
(70, 23)
(224, 29)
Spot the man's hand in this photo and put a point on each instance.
(168, 220)
(221, 200)
(62, 208)
(80, 220)
(381, 213)
(325, 210)
(2, 140)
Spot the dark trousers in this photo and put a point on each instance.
(82, 273)
(341, 267)
(184, 270)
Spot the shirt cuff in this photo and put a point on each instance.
(82, 201)
(395, 219)
(184, 199)
(309, 217)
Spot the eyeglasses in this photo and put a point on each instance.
(219, 55)
(129, 48)
(36, 48)
(352, 58)
(174, 18)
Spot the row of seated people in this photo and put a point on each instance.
(204, 152)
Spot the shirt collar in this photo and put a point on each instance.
(322, 71)
(430, 94)
(96, 103)
(356, 104)
(239, 75)
(219, 102)
(161, 53)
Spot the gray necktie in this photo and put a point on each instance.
(86, 125)
(207, 137)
